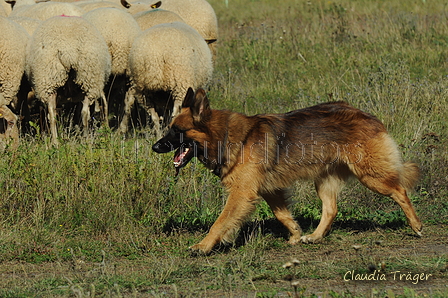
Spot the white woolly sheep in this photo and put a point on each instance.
(139, 6)
(13, 45)
(200, 15)
(167, 58)
(28, 24)
(132, 8)
(91, 5)
(149, 18)
(119, 29)
(19, 3)
(5, 9)
(46, 10)
(65, 51)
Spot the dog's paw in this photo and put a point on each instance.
(199, 250)
(418, 230)
(295, 239)
(310, 239)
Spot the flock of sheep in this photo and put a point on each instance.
(102, 54)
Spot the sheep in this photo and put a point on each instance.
(132, 8)
(15, 4)
(91, 5)
(119, 29)
(200, 15)
(139, 6)
(13, 45)
(168, 58)
(67, 52)
(28, 24)
(46, 10)
(5, 9)
(149, 18)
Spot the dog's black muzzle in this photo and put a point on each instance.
(171, 141)
(175, 140)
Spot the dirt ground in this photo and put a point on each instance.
(392, 261)
(395, 262)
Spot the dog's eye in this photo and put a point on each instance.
(176, 129)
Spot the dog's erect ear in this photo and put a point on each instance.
(198, 104)
(189, 99)
(201, 108)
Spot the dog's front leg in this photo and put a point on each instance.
(240, 204)
(278, 201)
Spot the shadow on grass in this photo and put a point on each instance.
(275, 229)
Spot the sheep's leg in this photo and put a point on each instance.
(11, 131)
(22, 106)
(128, 102)
(85, 115)
(51, 106)
(176, 108)
(105, 110)
(156, 119)
(177, 105)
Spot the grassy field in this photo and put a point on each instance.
(105, 217)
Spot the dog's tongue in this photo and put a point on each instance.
(179, 156)
(177, 159)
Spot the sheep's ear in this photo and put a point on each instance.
(156, 5)
(201, 107)
(11, 2)
(125, 3)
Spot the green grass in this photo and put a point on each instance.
(99, 204)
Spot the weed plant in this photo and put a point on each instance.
(108, 196)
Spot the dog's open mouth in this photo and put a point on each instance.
(182, 156)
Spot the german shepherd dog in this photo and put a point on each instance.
(261, 156)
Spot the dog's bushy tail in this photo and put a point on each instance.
(409, 175)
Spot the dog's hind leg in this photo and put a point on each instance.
(328, 188)
(390, 187)
(277, 200)
(382, 171)
(240, 204)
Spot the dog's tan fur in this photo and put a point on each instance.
(261, 156)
